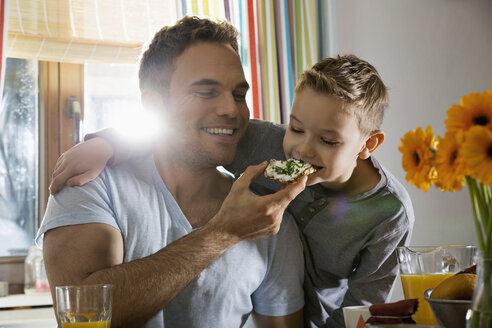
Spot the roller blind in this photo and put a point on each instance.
(85, 31)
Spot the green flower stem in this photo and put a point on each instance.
(486, 212)
(472, 187)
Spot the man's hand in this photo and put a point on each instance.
(81, 164)
(244, 215)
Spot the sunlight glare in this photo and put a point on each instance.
(141, 126)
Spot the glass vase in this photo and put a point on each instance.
(480, 314)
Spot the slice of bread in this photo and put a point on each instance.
(288, 171)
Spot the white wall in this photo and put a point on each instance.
(429, 53)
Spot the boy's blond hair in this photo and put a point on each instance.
(354, 81)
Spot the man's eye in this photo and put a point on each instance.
(206, 93)
(239, 96)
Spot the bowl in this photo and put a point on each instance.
(448, 313)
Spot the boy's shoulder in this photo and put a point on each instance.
(394, 188)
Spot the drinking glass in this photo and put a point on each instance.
(84, 306)
(424, 267)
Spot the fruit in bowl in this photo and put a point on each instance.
(451, 299)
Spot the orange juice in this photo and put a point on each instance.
(414, 286)
(96, 324)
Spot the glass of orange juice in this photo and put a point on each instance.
(424, 267)
(86, 306)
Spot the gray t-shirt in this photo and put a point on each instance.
(264, 275)
(349, 242)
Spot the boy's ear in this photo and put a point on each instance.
(374, 140)
(151, 100)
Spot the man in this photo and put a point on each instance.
(179, 240)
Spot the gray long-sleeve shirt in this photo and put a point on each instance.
(349, 242)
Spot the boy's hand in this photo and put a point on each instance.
(245, 215)
(81, 164)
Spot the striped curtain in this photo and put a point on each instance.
(279, 39)
(4, 9)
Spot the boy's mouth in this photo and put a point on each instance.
(318, 168)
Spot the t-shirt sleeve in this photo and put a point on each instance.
(281, 292)
(90, 203)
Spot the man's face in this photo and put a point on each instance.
(206, 110)
(322, 133)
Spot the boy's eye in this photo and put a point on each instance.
(295, 130)
(330, 142)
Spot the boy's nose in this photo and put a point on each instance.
(306, 151)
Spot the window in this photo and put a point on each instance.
(111, 96)
(19, 122)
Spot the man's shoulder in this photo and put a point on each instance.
(259, 129)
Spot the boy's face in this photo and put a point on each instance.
(322, 133)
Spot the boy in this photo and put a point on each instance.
(353, 215)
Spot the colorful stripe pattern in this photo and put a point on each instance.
(4, 9)
(279, 40)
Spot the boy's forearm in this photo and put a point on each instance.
(122, 149)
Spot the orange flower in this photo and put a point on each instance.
(475, 109)
(418, 149)
(449, 163)
(477, 154)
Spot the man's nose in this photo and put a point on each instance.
(227, 106)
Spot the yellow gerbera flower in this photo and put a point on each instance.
(449, 163)
(475, 109)
(418, 149)
(477, 154)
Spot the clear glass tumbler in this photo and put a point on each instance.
(424, 267)
(84, 306)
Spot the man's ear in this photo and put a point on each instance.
(151, 100)
(374, 140)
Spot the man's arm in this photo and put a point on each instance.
(93, 253)
(289, 321)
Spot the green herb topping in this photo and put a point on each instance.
(292, 166)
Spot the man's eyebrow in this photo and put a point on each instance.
(205, 82)
(241, 85)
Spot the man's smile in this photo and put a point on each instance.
(220, 131)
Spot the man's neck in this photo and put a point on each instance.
(198, 191)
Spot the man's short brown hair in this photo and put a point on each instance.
(355, 82)
(156, 63)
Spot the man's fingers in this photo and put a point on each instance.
(289, 191)
(251, 173)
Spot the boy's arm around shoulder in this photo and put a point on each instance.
(85, 161)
